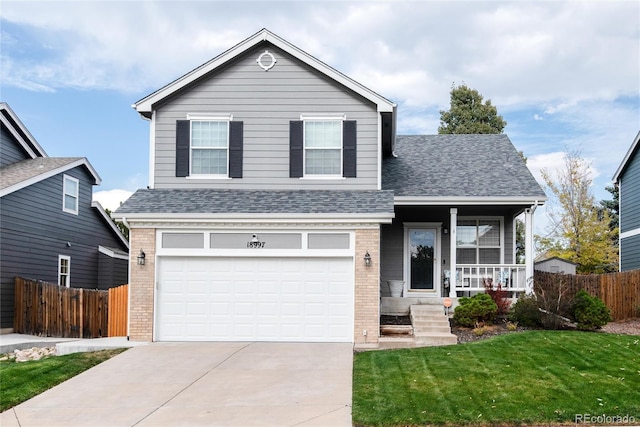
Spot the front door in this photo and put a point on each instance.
(422, 265)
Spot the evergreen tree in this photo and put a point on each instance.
(468, 114)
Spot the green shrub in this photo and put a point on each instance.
(479, 308)
(589, 312)
(525, 311)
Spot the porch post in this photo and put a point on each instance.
(528, 248)
(453, 223)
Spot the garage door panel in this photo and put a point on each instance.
(240, 299)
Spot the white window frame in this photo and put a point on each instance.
(61, 275)
(208, 118)
(65, 179)
(306, 118)
(477, 247)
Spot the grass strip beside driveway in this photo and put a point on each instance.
(21, 381)
(528, 377)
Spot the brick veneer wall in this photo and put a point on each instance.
(367, 287)
(142, 279)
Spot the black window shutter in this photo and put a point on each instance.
(349, 142)
(235, 149)
(296, 168)
(182, 147)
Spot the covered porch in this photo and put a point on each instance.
(430, 253)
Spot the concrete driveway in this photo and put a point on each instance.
(203, 384)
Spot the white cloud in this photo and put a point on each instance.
(111, 199)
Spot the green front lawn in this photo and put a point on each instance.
(528, 377)
(22, 381)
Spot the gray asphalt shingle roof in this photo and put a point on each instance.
(192, 201)
(458, 166)
(24, 170)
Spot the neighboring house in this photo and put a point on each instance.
(280, 202)
(50, 229)
(555, 265)
(627, 178)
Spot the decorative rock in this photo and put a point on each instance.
(34, 353)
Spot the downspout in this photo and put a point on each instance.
(529, 247)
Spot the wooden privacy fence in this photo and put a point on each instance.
(620, 292)
(118, 311)
(47, 309)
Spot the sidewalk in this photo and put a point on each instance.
(11, 342)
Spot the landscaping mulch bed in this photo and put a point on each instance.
(629, 327)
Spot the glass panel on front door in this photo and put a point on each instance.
(422, 245)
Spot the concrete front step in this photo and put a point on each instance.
(388, 343)
(424, 339)
(431, 326)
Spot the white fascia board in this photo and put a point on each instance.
(262, 218)
(108, 252)
(627, 157)
(145, 105)
(27, 182)
(14, 118)
(488, 201)
(96, 205)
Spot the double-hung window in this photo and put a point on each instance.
(323, 147)
(209, 147)
(479, 241)
(64, 270)
(70, 190)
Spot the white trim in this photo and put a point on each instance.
(630, 233)
(68, 276)
(225, 218)
(379, 153)
(65, 179)
(146, 105)
(304, 251)
(112, 254)
(96, 205)
(627, 157)
(465, 201)
(437, 256)
(210, 117)
(323, 117)
(152, 151)
(33, 180)
(39, 151)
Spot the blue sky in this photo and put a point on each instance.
(564, 74)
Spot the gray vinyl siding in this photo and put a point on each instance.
(112, 272)
(630, 253)
(630, 195)
(35, 231)
(266, 102)
(11, 151)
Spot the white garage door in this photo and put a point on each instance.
(255, 299)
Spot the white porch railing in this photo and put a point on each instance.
(472, 277)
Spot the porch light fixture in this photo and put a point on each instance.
(141, 257)
(367, 259)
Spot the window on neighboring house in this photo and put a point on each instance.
(478, 241)
(322, 147)
(71, 188)
(209, 147)
(64, 270)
